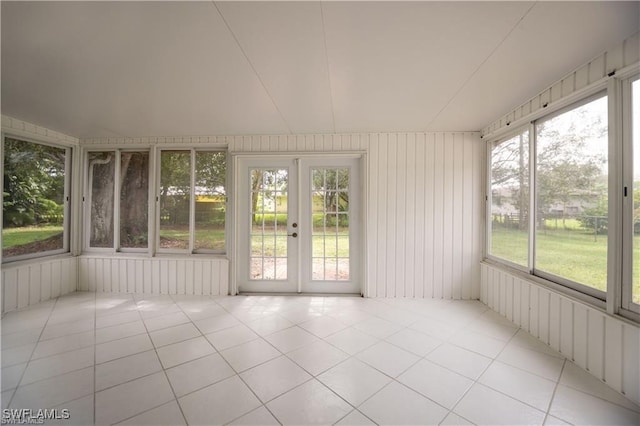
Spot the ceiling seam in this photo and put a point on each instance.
(495, 49)
(326, 56)
(255, 71)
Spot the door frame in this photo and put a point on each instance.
(235, 260)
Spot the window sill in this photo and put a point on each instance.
(8, 263)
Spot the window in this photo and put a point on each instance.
(565, 238)
(572, 195)
(118, 213)
(509, 237)
(35, 199)
(192, 201)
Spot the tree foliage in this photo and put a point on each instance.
(33, 183)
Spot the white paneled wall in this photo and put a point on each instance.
(424, 207)
(425, 215)
(594, 72)
(424, 204)
(607, 347)
(27, 284)
(424, 218)
(158, 275)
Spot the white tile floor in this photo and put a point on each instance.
(131, 359)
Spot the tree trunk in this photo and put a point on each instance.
(102, 198)
(134, 197)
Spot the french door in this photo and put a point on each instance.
(299, 225)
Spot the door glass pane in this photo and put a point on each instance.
(330, 230)
(210, 200)
(101, 176)
(572, 212)
(175, 190)
(269, 215)
(510, 199)
(635, 109)
(134, 199)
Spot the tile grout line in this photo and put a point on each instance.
(32, 352)
(553, 395)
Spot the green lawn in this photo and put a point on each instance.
(570, 253)
(212, 238)
(25, 235)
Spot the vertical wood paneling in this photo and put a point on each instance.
(181, 276)
(400, 211)
(543, 317)
(410, 215)
(517, 293)
(9, 290)
(525, 306)
(34, 284)
(392, 155)
(613, 353)
(224, 283)
(554, 322)
(595, 346)
(631, 362)
(98, 276)
(457, 227)
(123, 276)
(198, 278)
(425, 207)
(164, 277)
(172, 277)
(206, 279)
(566, 328)
(430, 207)
(625, 54)
(373, 278)
(381, 173)
(468, 250)
(447, 265)
(45, 288)
(139, 276)
(56, 288)
(148, 280)
(606, 347)
(534, 314)
(438, 218)
(189, 287)
(580, 335)
(420, 218)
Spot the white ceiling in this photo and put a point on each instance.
(94, 69)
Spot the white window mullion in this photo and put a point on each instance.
(533, 205)
(116, 201)
(614, 227)
(66, 200)
(192, 203)
(153, 211)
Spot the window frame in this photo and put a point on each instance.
(193, 151)
(116, 247)
(489, 199)
(533, 164)
(564, 285)
(66, 221)
(628, 307)
(618, 299)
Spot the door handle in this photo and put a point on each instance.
(294, 235)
